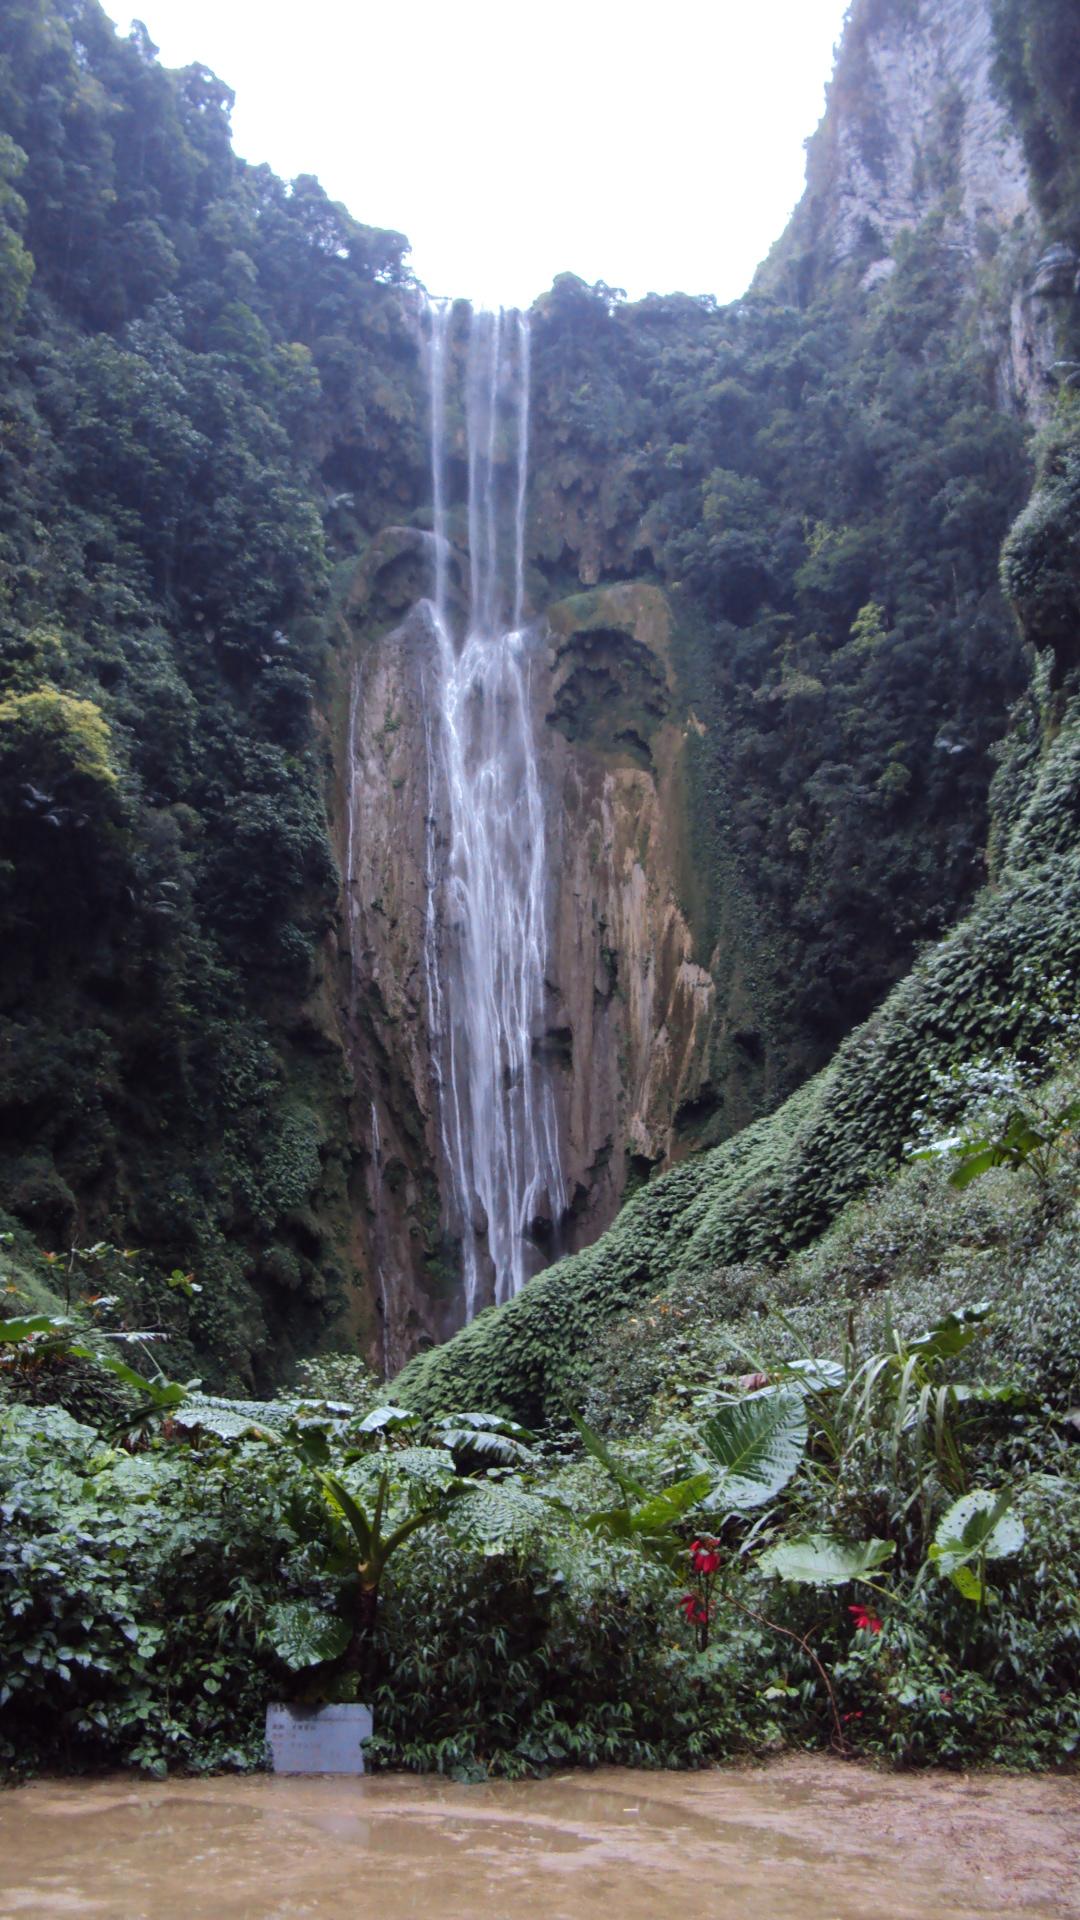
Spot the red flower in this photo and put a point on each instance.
(693, 1609)
(704, 1557)
(945, 1697)
(865, 1621)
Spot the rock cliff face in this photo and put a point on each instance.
(630, 1006)
(384, 861)
(912, 125)
(634, 1005)
(1033, 366)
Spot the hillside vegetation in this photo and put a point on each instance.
(199, 370)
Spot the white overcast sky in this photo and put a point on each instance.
(659, 147)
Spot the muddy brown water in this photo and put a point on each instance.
(802, 1839)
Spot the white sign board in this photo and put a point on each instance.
(318, 1739)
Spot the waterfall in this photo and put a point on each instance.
(485, 930)
(376, 1236)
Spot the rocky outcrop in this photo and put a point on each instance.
(912, 126)
(384, 813)
(630, 1006)
(633, 1007)
(1035, 368)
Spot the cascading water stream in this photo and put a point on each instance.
(485, 933)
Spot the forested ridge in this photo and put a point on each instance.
(207, 386)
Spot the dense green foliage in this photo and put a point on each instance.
(205, 391)
(854, 1455)
(777, 1183)
(1038, 72)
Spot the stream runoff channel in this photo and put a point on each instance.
(804, 1838)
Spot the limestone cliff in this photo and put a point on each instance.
(630, 1005)
(916, 126)
(633, 999)
(912, 125)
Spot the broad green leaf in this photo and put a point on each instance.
(979, 1524)
(486, 1444)
(162, 1394)
(303, 1635)
(1005, 1393)
(951, 1334)
(966, 1581)
(414, 1473)
(484, 1423)
(757, 1444)
(974, 1165)
(665, 1508)
(225, 1419)
(819, 1560)
(498, 1516)
(12, 1331)
(816, 1375)
(616, 1523)
(655, 1517)
(388, 1420)
(311, 1442)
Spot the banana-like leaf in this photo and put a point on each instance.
(819, 1560)
(757, 1444)
(484, 1423)
(815, 1374)
(388, 1420)
(656, 1516)
(161, 1393)
(662, 1511)
(974, 1164)
(500, 1449)
(303, 1635)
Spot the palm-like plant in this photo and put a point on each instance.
(387, 1487)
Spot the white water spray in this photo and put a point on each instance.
(485, 932)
